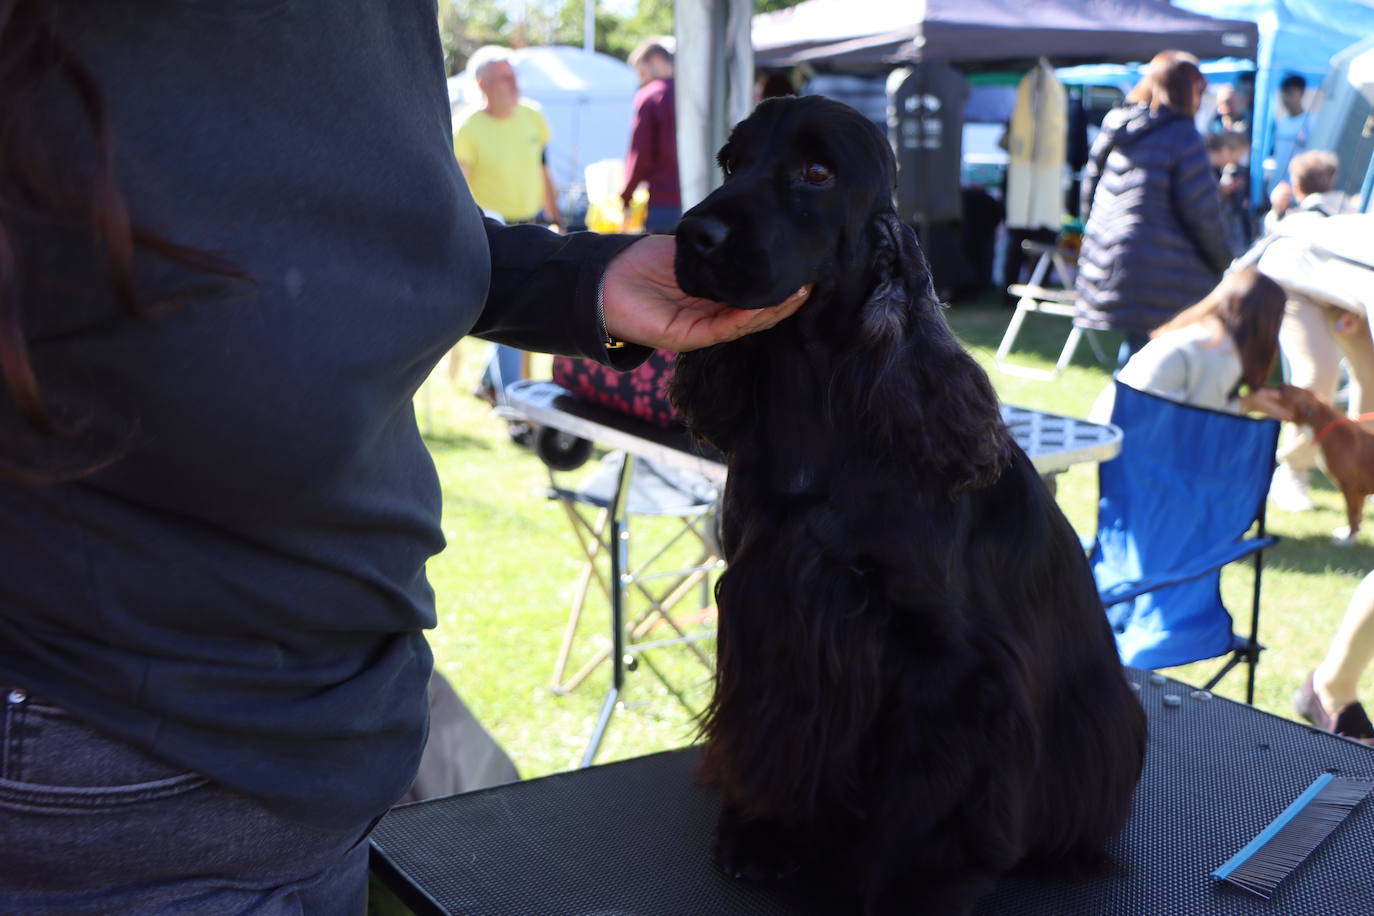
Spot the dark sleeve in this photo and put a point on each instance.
(1197, 203)
(544, 291)
(1092, 173)
(637, 161)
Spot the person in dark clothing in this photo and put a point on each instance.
(652, 159)
(1153, 242)
(1227, 150)
(1233, 112)
(219, 293)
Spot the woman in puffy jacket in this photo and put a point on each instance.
(1154, 242)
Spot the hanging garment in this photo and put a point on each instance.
(1036, 143)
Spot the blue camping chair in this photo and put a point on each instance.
(1175, 507)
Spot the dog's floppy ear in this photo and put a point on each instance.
(899, 281)
(910, 377)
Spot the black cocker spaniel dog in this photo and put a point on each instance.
(917, 688)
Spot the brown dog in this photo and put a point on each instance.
(1347, 451)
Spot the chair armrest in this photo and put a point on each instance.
(1043, 293)
(1030, 246)
(1196, 568)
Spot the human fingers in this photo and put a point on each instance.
(761, 319)
(731, 323)
(1269, 401)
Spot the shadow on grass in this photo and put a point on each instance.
(981, 322)
(1315, 554)
(451, 441)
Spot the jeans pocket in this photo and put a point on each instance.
(51, 761)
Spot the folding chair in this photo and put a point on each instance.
(656, 583)
(1175, 507)
(1038, 298)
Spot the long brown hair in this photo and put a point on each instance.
(1249, 306)
(1172, 79)
(33, 60)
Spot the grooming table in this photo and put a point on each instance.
(1054, 442)
(634, 838)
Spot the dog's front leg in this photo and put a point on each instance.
(1354, 512)
(753, 849)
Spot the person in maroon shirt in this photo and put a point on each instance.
(653, 138)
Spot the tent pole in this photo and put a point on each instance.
(1368, 190)
(1262, 108)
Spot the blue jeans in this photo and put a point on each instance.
(92, 825)
(661, 219)
(503, 367)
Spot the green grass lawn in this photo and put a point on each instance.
(505, 581)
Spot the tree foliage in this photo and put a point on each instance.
(466, 25)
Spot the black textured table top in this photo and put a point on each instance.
(634, 838)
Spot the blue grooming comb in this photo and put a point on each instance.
(1290, 838)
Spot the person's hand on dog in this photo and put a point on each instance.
(644, 304)
(1266, 401)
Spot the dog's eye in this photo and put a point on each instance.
(816, 173)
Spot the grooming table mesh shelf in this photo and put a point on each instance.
(634, 838)
(1053, 442)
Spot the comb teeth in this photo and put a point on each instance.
(1292, 836)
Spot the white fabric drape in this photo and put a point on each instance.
(713, 71)
(1037, 149)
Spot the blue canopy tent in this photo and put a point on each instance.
(1299, 36)
(1343, 119)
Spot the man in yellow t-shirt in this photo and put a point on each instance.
(501, 149)
(501, 146)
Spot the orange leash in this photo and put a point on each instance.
(1339, 420)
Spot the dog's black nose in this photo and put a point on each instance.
(703, 234)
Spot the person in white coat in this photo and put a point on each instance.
(1316, 335)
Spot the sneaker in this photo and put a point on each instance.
(1288, 490)
(1307, 705)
